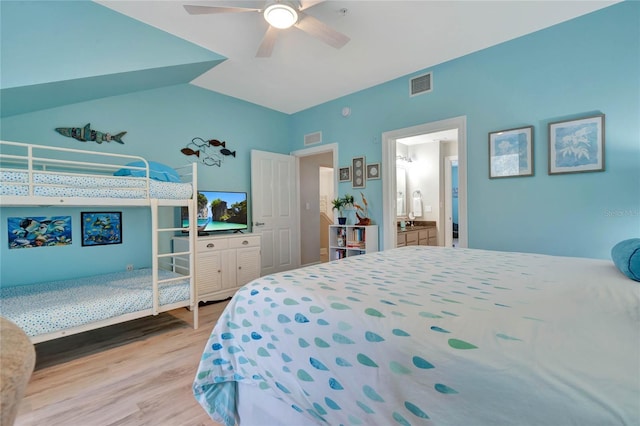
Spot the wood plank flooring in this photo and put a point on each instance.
(135, 373)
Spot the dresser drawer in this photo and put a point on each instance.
(211, 244)
(243, 242)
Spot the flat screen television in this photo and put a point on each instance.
(219, 211)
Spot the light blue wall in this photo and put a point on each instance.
(48, 41)
(159, 123)
(588, 65)
(64, 47)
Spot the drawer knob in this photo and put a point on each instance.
(210, 245)
(245, 242)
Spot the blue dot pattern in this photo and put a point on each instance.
(55, 306)
(387, 338)
(61, 185)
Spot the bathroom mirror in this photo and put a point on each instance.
(401, 191)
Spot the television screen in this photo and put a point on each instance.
(219, 211)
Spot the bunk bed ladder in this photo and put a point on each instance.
(157, 255)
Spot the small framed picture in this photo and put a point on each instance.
(344, 174)
(373, 171)
(358, 169)
(511, 153)
(577, 145)
(101, 228)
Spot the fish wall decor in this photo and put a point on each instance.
(201, 149)
(86, 133)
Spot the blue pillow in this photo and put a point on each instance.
(626, 256)
(157, 171)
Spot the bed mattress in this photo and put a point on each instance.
(65, 185)
(58, 305)
(431, 336)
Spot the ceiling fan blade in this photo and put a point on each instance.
(306, 4)
(318, 29)
(268, 41)
(205, 10)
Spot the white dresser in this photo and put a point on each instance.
(223, 263)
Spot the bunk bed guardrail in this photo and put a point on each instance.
(39, 175)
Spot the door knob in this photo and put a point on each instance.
(259, 223)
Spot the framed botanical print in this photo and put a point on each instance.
(511, 153)
(577, 145)
(358, 170)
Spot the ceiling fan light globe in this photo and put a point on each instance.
(281, 15)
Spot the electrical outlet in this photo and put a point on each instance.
(129, 267)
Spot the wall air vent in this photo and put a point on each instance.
(421, 84)
(312, 138)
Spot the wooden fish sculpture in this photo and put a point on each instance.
(85, 134)
(216, 142)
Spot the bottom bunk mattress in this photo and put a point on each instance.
(53, 306)
(429, 336)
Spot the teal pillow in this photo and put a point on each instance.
(626, 256)
(157, 171)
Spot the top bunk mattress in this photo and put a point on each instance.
(15, 183)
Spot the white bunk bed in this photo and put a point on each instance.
(37, 175)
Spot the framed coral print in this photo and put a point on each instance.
(101, 228)
(344, 174)
(511, 153)
(373, 171)
(577, 145)
(358, 169)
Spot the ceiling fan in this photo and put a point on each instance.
(281, 15)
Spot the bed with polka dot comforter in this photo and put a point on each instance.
(431, 336)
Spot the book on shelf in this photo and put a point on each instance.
(356, 244)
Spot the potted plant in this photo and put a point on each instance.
(338, 204)
(347, 200)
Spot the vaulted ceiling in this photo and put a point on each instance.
(389, 39)
(61, 52)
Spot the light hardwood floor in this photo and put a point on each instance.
(135, 373)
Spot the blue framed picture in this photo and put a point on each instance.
(511, 152)
(577, 145)
(42, 231)
(101, 228)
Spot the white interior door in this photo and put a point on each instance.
(274, 201)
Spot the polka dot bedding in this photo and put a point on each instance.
(58, 305)
(63, 185)
(432, 336)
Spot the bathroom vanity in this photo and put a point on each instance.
(422, 233)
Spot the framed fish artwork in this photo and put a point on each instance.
(101, 228)
(32, 232)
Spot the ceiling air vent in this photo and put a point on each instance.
(312, 138)
(419, 85)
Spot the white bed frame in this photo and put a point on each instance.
(22, 157)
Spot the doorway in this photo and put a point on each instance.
(389, 187)
(316, 185)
